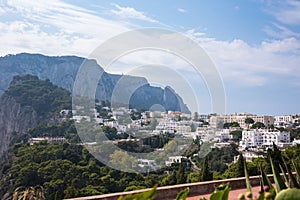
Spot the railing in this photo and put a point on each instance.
(170, 192)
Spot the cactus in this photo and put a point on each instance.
(288, 194)
(182, 194)
(249, 188)
(280, 185)
(148, 195)
(221, 192)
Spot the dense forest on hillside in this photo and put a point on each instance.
(42, 95)
(69, 170)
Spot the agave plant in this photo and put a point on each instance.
(148, 195)
(29, 193)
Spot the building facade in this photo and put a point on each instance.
(263, 138)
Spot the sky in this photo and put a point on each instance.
(254, 44)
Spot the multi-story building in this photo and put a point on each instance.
(223, 135)
(218, 120)
(263, 138)
(282, 121)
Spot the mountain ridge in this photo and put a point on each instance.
(62, 71)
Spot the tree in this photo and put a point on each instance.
(205, 173)
(249, 121)
(193, 127)
(240, 169)
(195, 116)
(71, 192)
(231, 124)
(170, 179)
(122, 160)
(258, 125)
(180, 174)
(237, 135)
(234, 124)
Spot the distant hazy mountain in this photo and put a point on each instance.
(62, 70)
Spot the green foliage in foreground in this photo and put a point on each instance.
(285, 190)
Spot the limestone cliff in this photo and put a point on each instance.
(62, 71)
(14, 120)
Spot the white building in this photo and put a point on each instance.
(218, 120)
(295, 141)
(147, 163)
(174, 159)
(167, 126)
(183, 129)
(220, 145)
(282, 121)
(264, 138)
(223, 135)
(49, 140)
(206, 134)
(248, 156)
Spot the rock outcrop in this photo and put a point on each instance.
(14, 120)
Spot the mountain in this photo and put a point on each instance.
(29, 102)
(62, 70)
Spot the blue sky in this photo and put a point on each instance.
(255, 44)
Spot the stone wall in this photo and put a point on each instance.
(195, 189)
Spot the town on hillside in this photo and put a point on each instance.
(253, 134)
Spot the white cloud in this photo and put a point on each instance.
(289, 14)
(182, 10)
(287, 45)
(194, 33)
(54, 27)
(131, 13)
(2, 11)
(279, 31)
(253, 65)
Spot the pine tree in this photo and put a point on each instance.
(205, 173)
(180, 174)
(240, 172)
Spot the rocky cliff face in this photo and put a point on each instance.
(14, 120)
(62, 70)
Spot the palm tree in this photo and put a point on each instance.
(29, 193)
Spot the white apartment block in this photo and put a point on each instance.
(167, 126)
(223, 135)
(183, 129)
(206, 134)
(264, 138)
(281, 121)
(217, 121)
